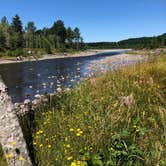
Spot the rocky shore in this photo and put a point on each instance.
(60, 55)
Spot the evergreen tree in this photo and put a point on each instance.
(16, 32)
(30, 35)
(77, 37)
(59, 32)
(2, 40)
(69, 37)
(4, 26)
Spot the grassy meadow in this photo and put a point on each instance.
(116, 119)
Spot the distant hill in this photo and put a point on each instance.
(142, 42)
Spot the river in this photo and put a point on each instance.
(25, 80)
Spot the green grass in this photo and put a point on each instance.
(91, 126)
(2, 158)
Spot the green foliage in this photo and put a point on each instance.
(16, 33)
(30, 35)
(12, 37)
(135, 43)
(90, 126)
(15, 53)
(2, 158)
(2, 40)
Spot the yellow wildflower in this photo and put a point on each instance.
(34, 143)
(66, 138)
(78, 129)
(134, 126)
(21, 158)
(71, 129)
(45, 123)
(78, 162)
(49, 146)
(81, 132)
(8, 156)
(73, 163)
(78, 134)
(68, 146)
(69, 158)
(13, 143)
(41, 145)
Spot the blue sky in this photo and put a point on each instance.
(98, 20)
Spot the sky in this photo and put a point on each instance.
(98, 20)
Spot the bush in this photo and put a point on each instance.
(15, 53)
(18, 52)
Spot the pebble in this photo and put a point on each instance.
(59, 89)
(27, 101)
(37, 96)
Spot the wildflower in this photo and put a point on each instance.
(13, 143)
(78, 134)
(78, 129)
(41, 145)
(134, 126)
(39, 132)
(69, 158)
(111, 149)
(49, 146)
(81, 132)
(73, 163)
(34, 143)
(21, 158)
(8, 156)
(71, 129)
(77, 163)
(68, 146)
(66, 138)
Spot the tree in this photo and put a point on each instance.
(59, 31)
(4, 26)
(69, 36)
(30, 35)
(16, 32)
(2, 40)
(77, 37)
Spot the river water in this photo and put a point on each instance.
(27, 79)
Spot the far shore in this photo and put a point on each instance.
(61, 55)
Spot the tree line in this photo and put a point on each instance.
(135, 43)
(14, 38)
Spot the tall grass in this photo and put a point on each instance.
(93, 125)
(90, 125)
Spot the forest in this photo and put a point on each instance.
(17, 40)
(134, 43)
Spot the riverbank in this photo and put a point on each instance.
(58, 55)
(126, 108)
